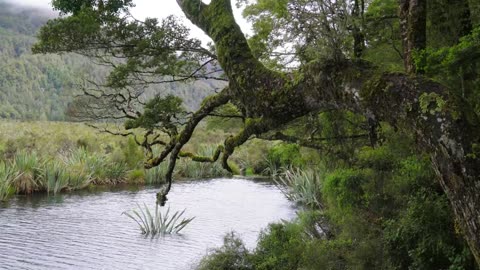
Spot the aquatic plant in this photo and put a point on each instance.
(158, 223)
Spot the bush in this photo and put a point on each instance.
(284, 154)
(233, 255)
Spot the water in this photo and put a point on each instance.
(88, 231)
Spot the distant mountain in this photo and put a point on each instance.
(39, 87)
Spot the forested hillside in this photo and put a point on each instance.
(40, 87)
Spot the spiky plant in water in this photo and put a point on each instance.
(7, 176)
(300, 186)
(158, 223)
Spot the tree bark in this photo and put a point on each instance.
(413, 27)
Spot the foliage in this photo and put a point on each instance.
(284, 154)
(159, 112)
(233, 255)
(158, 223)
(301, 186)
(7, 176)
(382, 210)
(280, 247)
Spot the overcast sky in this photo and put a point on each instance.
(150, 8)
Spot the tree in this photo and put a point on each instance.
(270, 98)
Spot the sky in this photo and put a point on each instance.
(152, 8)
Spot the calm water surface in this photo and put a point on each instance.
(88, 231)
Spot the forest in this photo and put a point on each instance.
(363, 113)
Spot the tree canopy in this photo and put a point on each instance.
(412, 64)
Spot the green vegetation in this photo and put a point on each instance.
(158, 223)
(58, 156)
(41, 87)
(382, 210)
(386, 91)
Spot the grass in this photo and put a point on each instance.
(55, 157)
(55, 177)
(301, 186)
(157, 223)
(7, 176)
(28, 167)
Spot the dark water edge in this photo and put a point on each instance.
(85, 229)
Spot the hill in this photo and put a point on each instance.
(40, 87)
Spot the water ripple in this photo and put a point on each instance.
(89, 231)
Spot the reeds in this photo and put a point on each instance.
(156, 175)
(7, 176)
(158, 223)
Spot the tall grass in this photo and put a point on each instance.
(55, 177)
(156, 175)
(7, 176)
(197, 170)
(158, 223)
(301, 186)
(28, 166)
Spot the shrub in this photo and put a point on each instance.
(233, 255)
(283, 154)
(280, 247)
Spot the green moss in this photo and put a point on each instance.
(432, 103)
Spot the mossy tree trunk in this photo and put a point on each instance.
(450, 132)
(413, 25)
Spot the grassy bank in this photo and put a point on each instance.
(54, 157)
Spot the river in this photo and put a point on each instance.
(88, 230)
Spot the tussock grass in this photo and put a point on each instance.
(7, 176)
(28, 166)
(156, 175)
(55, 177)
(57, 156)
(302, 186)
(156, 222)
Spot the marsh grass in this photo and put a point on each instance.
(55, 177)
(59, 156)
(157, 223)
(7, 176)
(301, 186)
(198, 170)
(28, 167)
(156, 175)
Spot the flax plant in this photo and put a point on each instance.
(157, 223)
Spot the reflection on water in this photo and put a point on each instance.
(87, 231)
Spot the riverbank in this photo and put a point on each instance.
(55, 157)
